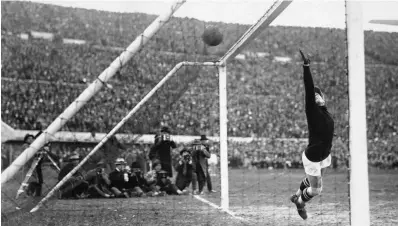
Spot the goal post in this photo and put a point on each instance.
(222, 72)
(273, 12)
(89, 92)
(359, 179)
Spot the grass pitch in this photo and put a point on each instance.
(258, 197)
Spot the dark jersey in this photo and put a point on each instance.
(136, 179)
(66, 169)
(162, 151)
(320, 123)
(117, 179)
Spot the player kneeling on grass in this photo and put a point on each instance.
(184, 170)
(119, 179)
(99, 183)
(316, 156)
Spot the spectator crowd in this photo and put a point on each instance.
(40, 78)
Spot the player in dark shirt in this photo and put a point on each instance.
(162, 149)
(184, 170)
(76, 186)
(99, 182)
(119, 179)
(316, 156)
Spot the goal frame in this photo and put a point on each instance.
(278, 7)
(119, 125)
(359, 175)
(359, 178)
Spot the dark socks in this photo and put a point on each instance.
(305, 196)
(304, 184)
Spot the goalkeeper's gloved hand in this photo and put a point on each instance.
(306, 60)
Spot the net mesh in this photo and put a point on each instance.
(266, 120)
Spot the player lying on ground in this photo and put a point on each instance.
(316, 156)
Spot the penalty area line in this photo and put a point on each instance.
(232, 214)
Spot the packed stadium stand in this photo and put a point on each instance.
(40, 77)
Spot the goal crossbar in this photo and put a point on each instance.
(274, 11)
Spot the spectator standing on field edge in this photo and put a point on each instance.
(161, 150)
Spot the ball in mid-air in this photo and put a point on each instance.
(212, 36)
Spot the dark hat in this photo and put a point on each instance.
(318, 90)
(27, 137)
(203, 137)
(163, 174)
(165, 129)
(185, 150)
(135, 165)
(196, 142)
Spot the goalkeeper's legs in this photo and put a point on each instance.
(306, 193)
(310, 187)
(305, 183)
(313, 190)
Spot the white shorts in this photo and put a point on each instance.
(314, 168)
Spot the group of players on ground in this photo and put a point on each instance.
(129, 180)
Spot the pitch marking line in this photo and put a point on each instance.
(218, 207)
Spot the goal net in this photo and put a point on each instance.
(169, 78)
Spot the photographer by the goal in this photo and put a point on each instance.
(184, 170)
(199, 158)
(161, 150)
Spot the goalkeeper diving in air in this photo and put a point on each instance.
(316, 156)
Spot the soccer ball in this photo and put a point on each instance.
(212, 36)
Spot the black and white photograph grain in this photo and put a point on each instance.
(199, 113)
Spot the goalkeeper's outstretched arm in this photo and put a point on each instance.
(308, 83)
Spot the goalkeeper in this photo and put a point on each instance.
(316, 156)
